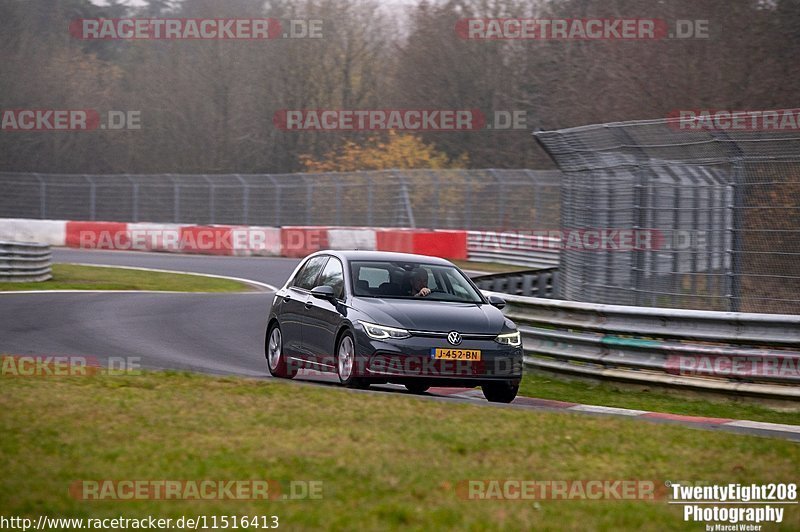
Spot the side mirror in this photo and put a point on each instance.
(323, 292)
(497, 301)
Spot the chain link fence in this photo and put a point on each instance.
(723, 209)
(441, 199)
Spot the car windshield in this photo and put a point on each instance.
(385, 279)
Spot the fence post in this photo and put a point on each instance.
(176, 200)
(42, 197)
(92, 198)
(134, 198)
(369, 200)
(309, 199)
(277, 195)
(211, 209)
(245, 197)
(338, 203)
(468, 211)
(501, 216)
(734, 275)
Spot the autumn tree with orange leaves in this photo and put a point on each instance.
(398, 151)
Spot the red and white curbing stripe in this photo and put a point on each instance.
(761, 427)
(294, 241)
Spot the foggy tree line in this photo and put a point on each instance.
(208, 106)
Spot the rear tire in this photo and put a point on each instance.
(346, 363)
(417, 388)
(276, 358)
(500, 392)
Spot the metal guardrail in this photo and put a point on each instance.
(512, 248)
(691, 349)
(25, 262)
(536, 283)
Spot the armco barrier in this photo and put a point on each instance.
(536, 283)
(512, 248)
(25, 262)
(741, 353)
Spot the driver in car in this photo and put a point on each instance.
(419, 283)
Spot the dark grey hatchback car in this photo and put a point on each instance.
(376, 317)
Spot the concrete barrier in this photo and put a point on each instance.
(50, 232)
(154, 237)
(299, 241)
(445, 244)
(352, 239)
(291, 241)
(98, 235)
(261, 241)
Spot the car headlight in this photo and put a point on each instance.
(381, 332)
(512, 339)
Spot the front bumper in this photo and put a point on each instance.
(412, 358)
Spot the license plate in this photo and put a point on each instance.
(456, 354)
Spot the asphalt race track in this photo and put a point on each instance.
(220, 334)
(211, 333)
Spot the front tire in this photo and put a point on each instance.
(276, 358)
(417, 388)
(500, 392)
(346, 362)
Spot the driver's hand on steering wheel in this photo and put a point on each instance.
(424, 291)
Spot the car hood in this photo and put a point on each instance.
(437, 316)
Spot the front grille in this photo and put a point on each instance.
(465, 336)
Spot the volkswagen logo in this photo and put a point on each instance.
(454, 338)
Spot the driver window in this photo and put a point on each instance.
(307, 276)
(333, 276)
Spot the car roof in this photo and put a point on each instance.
(389, 256)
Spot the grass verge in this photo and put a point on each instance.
(84, 277)
(656, 400)
(385, 461)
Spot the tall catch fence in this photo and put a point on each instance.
(722, 208)
(493, 200)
